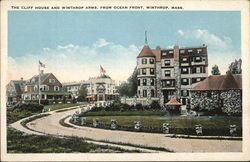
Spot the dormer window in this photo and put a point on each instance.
(199, 50)
(52, 80)
(182, 51)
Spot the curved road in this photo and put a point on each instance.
(50, 125)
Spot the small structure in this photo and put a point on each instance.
(96, 122)
(173, 106)
(198, 129)
(113, 124)
(232, 130)
(83, 120)
(74, 118)
(138, 125)
(165, 128)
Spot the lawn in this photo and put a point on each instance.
(126, 113)
(156, 121)
(60, 106)
(152, 122)
(21, 143)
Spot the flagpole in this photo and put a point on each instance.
(39, 80)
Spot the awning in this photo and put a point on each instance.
(173, 102)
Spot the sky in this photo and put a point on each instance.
(73, 44)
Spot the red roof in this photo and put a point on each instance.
(173, 102)
(157, 53)
(146, 52)
(220, 82)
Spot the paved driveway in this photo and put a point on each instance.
(50, 125)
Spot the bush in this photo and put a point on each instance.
(31, 107)
(45, 102)
(155, 105)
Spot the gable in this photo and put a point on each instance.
(46, 81)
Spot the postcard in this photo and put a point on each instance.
(124, 80)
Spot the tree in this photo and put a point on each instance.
(215, 70)
(129, 88)
(82, 93)
(235, 67)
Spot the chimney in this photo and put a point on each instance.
(176, 53)
(21, 78)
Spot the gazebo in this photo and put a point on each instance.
(173, 106)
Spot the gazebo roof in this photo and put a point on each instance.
(173, 102)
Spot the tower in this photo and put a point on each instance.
(146, 74)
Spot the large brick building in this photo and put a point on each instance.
(170, 73)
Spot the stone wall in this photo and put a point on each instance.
(158, 83)
(230, 101)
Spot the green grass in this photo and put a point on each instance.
(60, 106)
(134, 145)
(153, 124)
(62, 122)
(127, 113)
(17, 142)
(157, 121)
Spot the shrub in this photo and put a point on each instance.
(155, 105)
(32, 107)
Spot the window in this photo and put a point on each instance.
(143, 71)
(139, 82)
(203, 59)
(197, 59)
(152, 82)
(152, 71)
(164, 53)
(182, 51)
(144, 93)
(190, 51)
(168, 83)
(198, 70)
(151, 61)
(184, 93)
(184, 71)
(167, 73)
(152, 93)
(199, 50)
(171, 52)
(198, 79)
(144, 82)
(184, 59)
(56, 88)
(144, 61)
(139, 71)
(167, 62)
(52, 80)
(139, 92)
(184, 81)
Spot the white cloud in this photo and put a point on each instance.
(213, 41)
(78, 62)
(101, 43)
